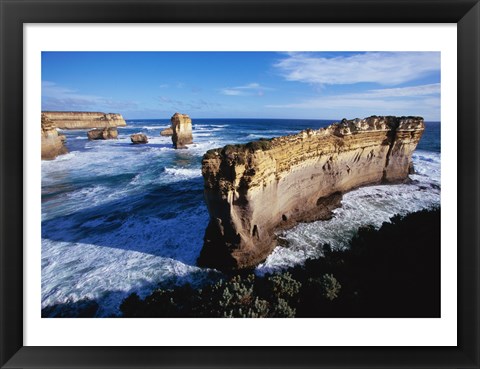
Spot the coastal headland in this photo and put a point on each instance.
(256, 189)
(84, 120)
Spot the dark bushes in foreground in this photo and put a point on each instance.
(390, 272)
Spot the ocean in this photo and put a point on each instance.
(119, 218)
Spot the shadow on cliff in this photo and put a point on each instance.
(148, 222)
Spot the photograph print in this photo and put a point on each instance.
(240, 184)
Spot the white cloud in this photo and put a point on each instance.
(56, 97)
(399, 96)
(421, 100)
(245, 90)
(249, 86)
(170, 104)
(411, 91)
(231, 92)
(386, 68)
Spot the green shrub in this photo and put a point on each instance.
(284, 286)
(282, 309)
(330, 287)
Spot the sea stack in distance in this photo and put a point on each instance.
(182, 130)
(255, 189)
(53, 144)
(139, 138)
(84, 120)
(110, 133)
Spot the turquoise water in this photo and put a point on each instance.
(120, 218)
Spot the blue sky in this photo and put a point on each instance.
(304, 85)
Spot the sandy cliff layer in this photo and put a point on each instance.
(255, 189)
(53, 144)
(84, 120)
(182, 130)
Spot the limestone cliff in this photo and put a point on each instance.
(53, 144)
(182, 130)
(255, 189)
(84, 120)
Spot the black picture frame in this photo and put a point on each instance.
(15, 13)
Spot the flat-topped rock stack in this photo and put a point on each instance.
(182, 130)
(255, 189)
(53, 144)
(84, 120)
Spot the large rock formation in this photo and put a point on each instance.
(182, 130)
(84, 120)
(53, 144)
(255, 189)
(103, 134)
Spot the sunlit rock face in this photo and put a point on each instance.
(256, 189)
(84, 120)
(53, 144)
(182, 130)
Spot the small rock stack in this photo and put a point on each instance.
(139, 138)
(182, 130)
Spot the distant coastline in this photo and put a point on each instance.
(84, 120)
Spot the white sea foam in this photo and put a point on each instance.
(207, 128)
(136, 256)
(209, 125)
(184, 173)
(156, 127)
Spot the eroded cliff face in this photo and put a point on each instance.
(84, 120)
(255, 189)
(182, 130)
(53, 144)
